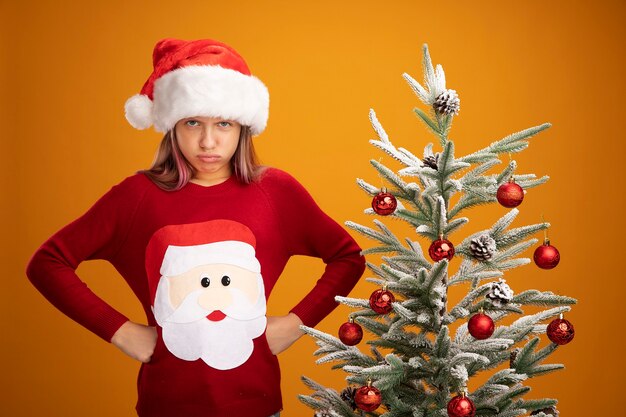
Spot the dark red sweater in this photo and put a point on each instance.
(285, 220)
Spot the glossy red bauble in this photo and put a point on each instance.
(546, 256)
(380, 301)
(560, 331)
(461, 406)
(384, 203)
(368, 398)
(510, 195)
(350, 333)
(481, 326)
(441, 249)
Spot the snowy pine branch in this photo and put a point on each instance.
(509, 243)
(378, 128)
(386, 236)
(412, 254)
(538, 298)
(326, 399)
(529, 362)
(531, 182)
(502, 401)
(352, 302)
(534, 405)
(430, 124)
(332, 349)
(388, 375)
(447, 165)
(513, 143)
(391, 177)
(368, 188)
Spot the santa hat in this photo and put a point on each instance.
(198, 78)
(175, 249)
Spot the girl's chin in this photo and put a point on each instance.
(212, 169)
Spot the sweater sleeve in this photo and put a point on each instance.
(98, 234)
(311, 232)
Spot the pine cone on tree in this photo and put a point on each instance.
(500, 293)
(513, 356)
(549, 411)
(431, 161)
(447, 102)
(348, 396)
(483, 247)
(322, 413)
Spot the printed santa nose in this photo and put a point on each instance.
(215, 297)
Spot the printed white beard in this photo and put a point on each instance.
(224, 344)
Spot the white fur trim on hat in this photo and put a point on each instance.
(180, 259)
(139, 111)
(210, 91)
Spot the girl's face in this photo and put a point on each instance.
(208, 144)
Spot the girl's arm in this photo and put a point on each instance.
(309, 231)
(98, 234)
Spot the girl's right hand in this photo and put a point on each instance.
(136, 340)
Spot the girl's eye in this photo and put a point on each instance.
(205, 282)
(224, 124)
(192, 123)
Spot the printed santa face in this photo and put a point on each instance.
(210, 298)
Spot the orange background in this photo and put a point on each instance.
(68, 67)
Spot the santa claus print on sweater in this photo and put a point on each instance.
(207, 291)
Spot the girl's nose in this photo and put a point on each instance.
(207, 140)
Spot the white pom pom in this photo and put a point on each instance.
(139, 111)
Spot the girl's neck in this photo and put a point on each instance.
(207, 179)
(207, 182)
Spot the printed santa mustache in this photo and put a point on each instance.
(190, 309)
(225, 344)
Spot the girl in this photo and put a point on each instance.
(201, 238)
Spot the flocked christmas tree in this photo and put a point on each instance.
(415, 367)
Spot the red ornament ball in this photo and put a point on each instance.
(380, 301)
(481, 326)
(546, 256)
(384, 203)
(368, 398)
(461, 406)
(510, 195)
(350, 333)
(441, 249)
(560, 331)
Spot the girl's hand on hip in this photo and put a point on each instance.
(282, 332)
(136, 340)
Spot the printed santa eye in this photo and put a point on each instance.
(205, 281)
(225, 280)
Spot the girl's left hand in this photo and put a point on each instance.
(282, 332)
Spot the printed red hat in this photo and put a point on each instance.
(198, 78)
(175, 249)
